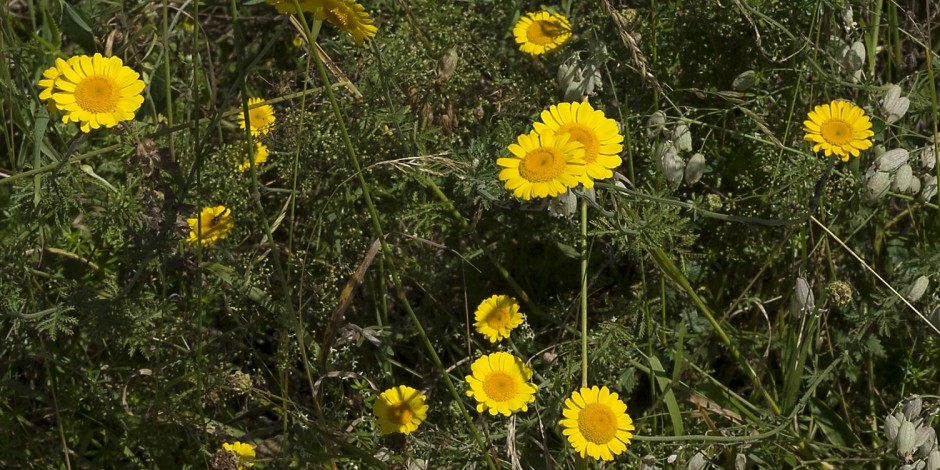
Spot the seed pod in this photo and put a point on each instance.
(647, 463)
(853, 58)
(903, 178)
(697, 462)
(803, 301)
(447, 65)
(915, 186)
(892, 160)
(912, 408)
(914, 293)
(744, 81)
(906, 439)
(655, 124)
(565, 205)
(695, 169)
(673, 168)
(682, 137)
(894, 104)
(892, 425)
(929, 189)
(928, 158)
(933, 460)
(926, 440)
(878, 185)
(740, 462)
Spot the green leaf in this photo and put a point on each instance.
(831, 424)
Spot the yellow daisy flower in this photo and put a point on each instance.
(400, 409)
(596, 423)
(93, 91)
(542, 165)
(599, 135)
(541, 32)
(347, 15)
(500, 384)
(261, 117)
(260, 156)
(214, 222)
(497, 316)
(839, 128)
(245, 452)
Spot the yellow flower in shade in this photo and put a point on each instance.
(214, 222)
(260, 156)
(245, 452)
(400, 409)
(596, 423)
(497, 316)
(287, 6)
(542, 165)
(261, 117)
(500, 384)
(839, 128)
(93, 91)
(599, 135)
(541, 32)
(350, 17)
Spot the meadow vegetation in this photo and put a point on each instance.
(469, 234)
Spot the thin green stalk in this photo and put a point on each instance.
(933, 89)
(584, 293)
(390, 262)
(166, 78)
(871, 40)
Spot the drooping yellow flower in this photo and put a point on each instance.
(596, 423)
(542, 165)
(500, 384)
(260, 156)
(245, 453)
(261, 116)
(599, 135)
(350, 17)
(400, 409)
(93, 91)
(497, 316)
(839, 128)
(212, 225)
(541, 32)
(347, 15)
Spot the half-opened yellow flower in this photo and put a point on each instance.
(93, 91)
(839, 128)
(541, 32)
(400, 409)
(347, 15)
(245, 453)
(497, 316)
(599, 135)
(260, 156)
(500, 384)
(212, 225)
(596, 423)
(261, 116)
(542, 165)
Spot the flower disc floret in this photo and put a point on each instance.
(497, 316)
(541, 32)
(839, 128)
(542, 165)
(596, 423)
(400, 409)
(500, 384)
(260, 115)
(347, 15)
(93, 91)
(212, 225)
(598, 134)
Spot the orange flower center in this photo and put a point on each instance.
(498, 318)
(598, 423)
(401, 414)
(97, 94)
(499, 386)
(586, 136)
(543, 32)
(542, 164)
(836, 132)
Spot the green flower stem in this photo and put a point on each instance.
(292, 313)
(584, 293)
(390, 262)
